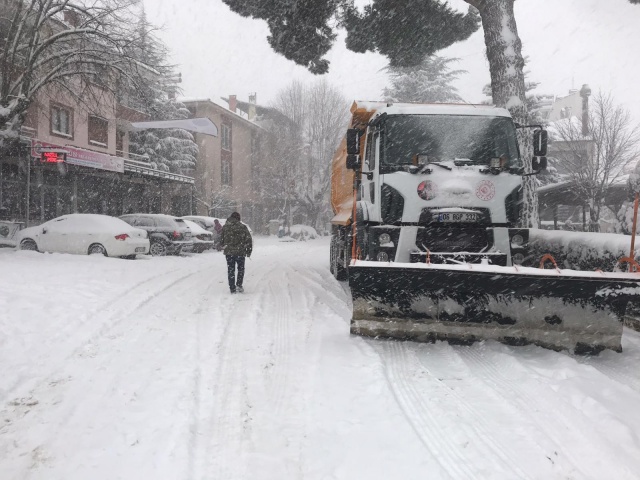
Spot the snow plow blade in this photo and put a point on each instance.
(578, 311)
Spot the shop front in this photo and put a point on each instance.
(36, 187)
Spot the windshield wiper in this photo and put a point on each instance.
(439, 164)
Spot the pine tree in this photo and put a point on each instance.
(304, 30)
(173, 150)
(429, 82)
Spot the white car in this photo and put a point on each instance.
(208, 222)
(85, 234)
(202, 239)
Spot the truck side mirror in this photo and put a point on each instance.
(540, 140)
(353, 141)
(353, 162)
(539, 163)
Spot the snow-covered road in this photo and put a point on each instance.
(150, 369)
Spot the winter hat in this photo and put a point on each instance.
(235, 215)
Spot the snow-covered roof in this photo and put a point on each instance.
(187, 100)
(571, 127)
(434, 109)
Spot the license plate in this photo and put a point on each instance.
(458, 217)
(140, 249)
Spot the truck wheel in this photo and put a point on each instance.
(332, 247)
(337, 268)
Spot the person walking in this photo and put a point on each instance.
(238, 244)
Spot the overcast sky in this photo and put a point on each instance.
(568, 42)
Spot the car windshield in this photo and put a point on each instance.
(476, 139)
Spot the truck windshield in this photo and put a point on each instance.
(474, 139)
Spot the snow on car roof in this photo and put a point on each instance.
(154, 215)
(95, 221)
(194, 227)
(201, 217)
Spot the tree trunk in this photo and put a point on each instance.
(506, 64)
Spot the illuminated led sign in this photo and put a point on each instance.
(53, 157)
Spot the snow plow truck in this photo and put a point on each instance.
(427, 201)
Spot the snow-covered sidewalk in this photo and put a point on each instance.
(151, 369)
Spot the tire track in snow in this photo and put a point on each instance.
(611, 365)
(105, 320)
(147, 333)
(222, 413)
(340, 305)
(529, 399)
(444, 364)
(419, 411)
(278, 377)
(202, 416)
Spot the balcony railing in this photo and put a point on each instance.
(144, 168)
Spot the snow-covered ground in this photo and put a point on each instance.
(150, 369)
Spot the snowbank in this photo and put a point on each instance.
(303, 232)
(580, 250)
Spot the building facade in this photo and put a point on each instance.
(99, 174)
(227, 170)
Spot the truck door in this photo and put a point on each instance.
(369, 185)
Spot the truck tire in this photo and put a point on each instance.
(337, 267)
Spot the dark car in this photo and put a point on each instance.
(167, 235)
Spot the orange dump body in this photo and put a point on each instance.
(341, 177)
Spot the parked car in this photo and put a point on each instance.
(208, 222)
(85, 234)
(168, 235)
(205, 222)
(202, 239)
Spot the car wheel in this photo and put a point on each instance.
(28, 244)
(97, 249)
(158, 249)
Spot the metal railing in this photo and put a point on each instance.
(144, 168)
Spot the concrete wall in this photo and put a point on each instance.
(39, 118)
(208, 176)
(571, 104)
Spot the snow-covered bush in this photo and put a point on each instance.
(579, 250)
(303, 232)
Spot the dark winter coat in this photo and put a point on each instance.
(236, 238)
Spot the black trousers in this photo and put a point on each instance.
(232, 261)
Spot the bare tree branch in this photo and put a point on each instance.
(595, 161)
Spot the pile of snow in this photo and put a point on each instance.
(303, 233)
(580, 250)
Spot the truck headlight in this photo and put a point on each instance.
(517, 240)
(382, 257)
(517, 259)
(384, 239)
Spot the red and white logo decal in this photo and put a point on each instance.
(427, 190)
(486, 190)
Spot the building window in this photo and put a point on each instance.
(226, 137)
(61, 121)
(98, 131)
(225, 176)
